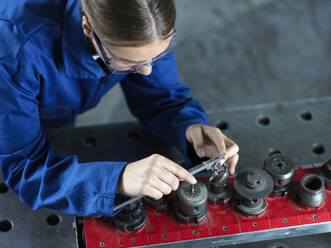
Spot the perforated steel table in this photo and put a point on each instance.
(300, 129)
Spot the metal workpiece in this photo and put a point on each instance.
(253, 183)
(219, 188)
(326, 173)
(191, 206)
(158, 205)
(311, 192)
(219, 176)
(219, 195)
(132, 217)
(222, 224)
(281, 169)
(252, 206)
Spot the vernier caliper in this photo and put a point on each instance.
(210, 164)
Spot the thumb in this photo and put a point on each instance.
(195, 135)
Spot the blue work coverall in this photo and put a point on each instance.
(47, 73)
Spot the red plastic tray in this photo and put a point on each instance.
(221, 220)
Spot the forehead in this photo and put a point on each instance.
(139, 54)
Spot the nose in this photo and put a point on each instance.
(146, 70)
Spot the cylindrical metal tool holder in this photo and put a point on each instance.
(191, 206)
(281, 169)
(311, 192)
(132, 217)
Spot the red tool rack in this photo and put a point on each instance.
(284, 217)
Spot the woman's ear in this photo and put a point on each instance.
(86, 26)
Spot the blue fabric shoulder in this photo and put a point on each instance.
(31, 168)
(20, 19)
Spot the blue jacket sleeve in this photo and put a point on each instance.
(30, 167)
(162, 103)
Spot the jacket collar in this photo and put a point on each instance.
(77, 56)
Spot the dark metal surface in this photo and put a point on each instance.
(252, 207)
(132, 217)
(311, 191)
(158, 205)
(189, 197)
(222, 195)
(253, 183)
(114, 142)
(281, 169)
(263, 129)
(219, 177)
(219, 188)
(21, 227)
(259, 130)
(242, 52)
(191, 206)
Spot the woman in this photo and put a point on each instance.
(57, 59)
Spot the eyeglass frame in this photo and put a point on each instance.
(137, 67)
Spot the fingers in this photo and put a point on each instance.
(153, 193)
(161, 183)
(178, 171)
(161, 186)
(232, 156)
(216, 136)
(223, 144)
(211, 142)
(169, 179)
(231, 147)
(152, 176)
(232, 162)
(196, 136)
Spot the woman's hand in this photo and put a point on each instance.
(153, 176)
(210, 142)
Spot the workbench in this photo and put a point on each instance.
(301, 129)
